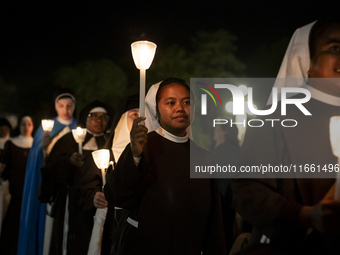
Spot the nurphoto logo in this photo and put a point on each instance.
(242, 101)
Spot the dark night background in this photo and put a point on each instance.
(37, 38)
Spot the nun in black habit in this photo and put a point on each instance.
(64, 167)
(297, 213)
(14, 160)
(89, 188)
(175, 214)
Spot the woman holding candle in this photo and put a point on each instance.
(89, 189)
(14, 159)
(297, 214)
(63, 168)
(32, 220)
(175, 214)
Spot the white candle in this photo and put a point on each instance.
(334, 130)
(142, 93)
(143, 53)
(79, 136)
(101, 159)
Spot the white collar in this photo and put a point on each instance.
(22, 141)
(171, 137)
(91, 145)
(323, 97)
(64, 122)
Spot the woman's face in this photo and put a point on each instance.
(97, 122)
(26, 127)
(174, 109)
(65, 108)
(326, 62)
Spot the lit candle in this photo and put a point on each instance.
(143, 53)
(79, 136)
(334, 130)
(102, 158)
(47, 125)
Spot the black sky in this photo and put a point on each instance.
(38, 37)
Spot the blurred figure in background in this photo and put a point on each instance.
(297, 215)
(32, 220)
(64, 167)
(89, 188)
(5, 130)
(226, 152)
(14, 160)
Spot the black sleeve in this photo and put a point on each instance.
(214, 241)
(58, 170)
(123, 186)
(87, 186)
(260, 201)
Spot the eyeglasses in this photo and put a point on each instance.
(98, 116)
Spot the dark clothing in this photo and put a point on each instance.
(91, 183)
(15, 159)
(59, 176)
(227, 154)
(176, 214)
(33, 212)
(85, 189)
(272, 206)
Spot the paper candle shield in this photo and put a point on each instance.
(47, 125)
(79, 134)
(101, 158)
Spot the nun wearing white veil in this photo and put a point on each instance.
(152, 122)
(295, 64)
(174, 214)
(286, 212)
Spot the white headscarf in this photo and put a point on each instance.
(296, 61)
(151, 121)
(121, 137)
(22, 141)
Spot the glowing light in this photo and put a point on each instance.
(47, 125)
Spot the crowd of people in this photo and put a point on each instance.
(149, 203)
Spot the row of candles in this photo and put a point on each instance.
(143, 53)
(78, 134)
(100, 157)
